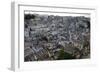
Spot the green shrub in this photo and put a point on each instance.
(64, 55)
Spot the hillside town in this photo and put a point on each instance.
(54, 37)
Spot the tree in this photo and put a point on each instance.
(64, 55)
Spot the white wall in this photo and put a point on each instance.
(5, 31)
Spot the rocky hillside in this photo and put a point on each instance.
(52, 37)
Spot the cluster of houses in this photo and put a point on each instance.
(46, 35)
